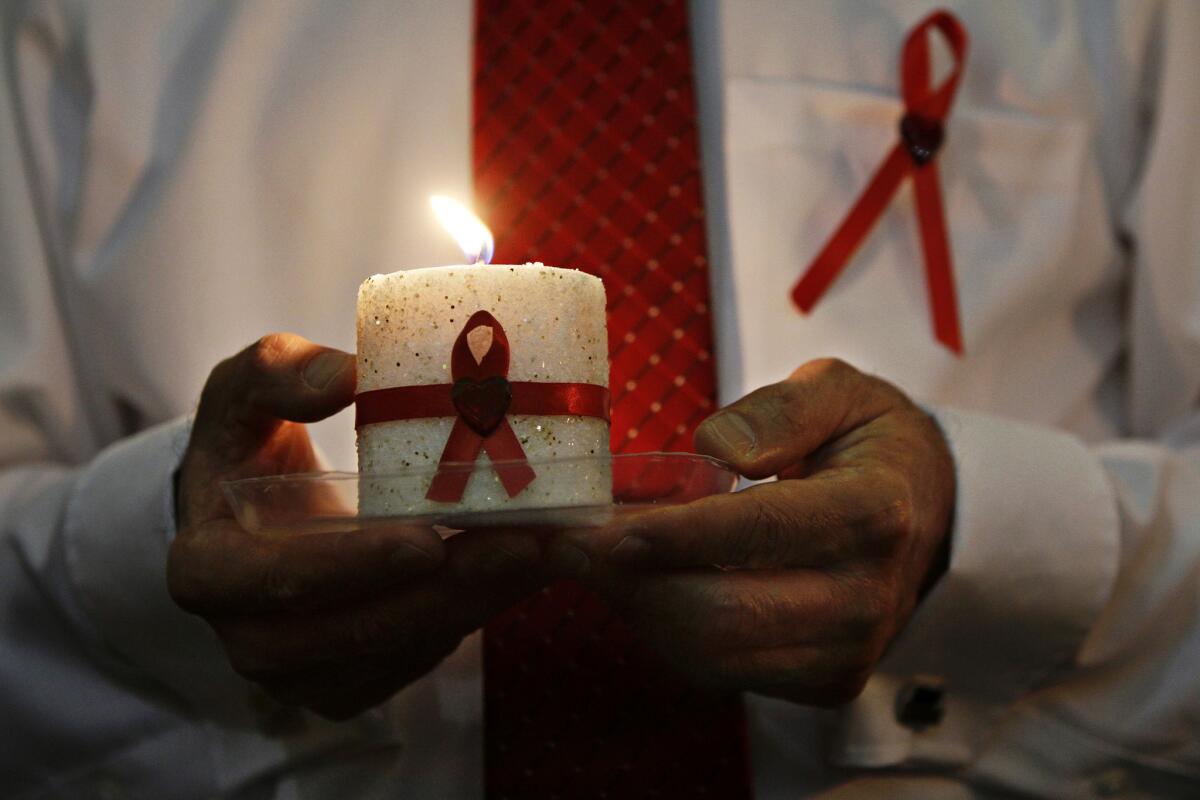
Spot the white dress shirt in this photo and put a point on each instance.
(181, 177)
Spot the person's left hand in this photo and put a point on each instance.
(792, 588)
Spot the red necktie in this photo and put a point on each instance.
(585, 156)
(921, 133)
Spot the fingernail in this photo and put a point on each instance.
(568, 560)
(325, 367)
(630, 549)
(732, 432)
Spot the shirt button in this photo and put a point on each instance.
(919, 703)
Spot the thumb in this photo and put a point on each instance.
(280, 377)
(779, 425)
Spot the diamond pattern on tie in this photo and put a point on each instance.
(585, 156)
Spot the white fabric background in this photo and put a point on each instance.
(181, 177)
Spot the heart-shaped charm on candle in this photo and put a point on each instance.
(482, 404)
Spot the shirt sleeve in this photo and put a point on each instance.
(117, 527)
(1035, 552)
(84, 510)
(103, 680)
(1069, 601)
(80, 694)
(1031, 501)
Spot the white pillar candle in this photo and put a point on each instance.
(408, 323)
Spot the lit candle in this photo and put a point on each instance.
(473, 362)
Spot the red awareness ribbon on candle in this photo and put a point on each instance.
(480, 399)
(921, 135)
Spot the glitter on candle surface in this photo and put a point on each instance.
(555, 323)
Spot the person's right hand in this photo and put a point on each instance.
(334, 622)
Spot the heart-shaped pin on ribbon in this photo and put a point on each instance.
(482, 404)
(922, 137)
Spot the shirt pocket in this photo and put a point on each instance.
(1023, 202)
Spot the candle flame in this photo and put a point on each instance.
(467, 229)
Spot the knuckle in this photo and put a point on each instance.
(867, 608)
(892, 396)
(896, 517)
(768, 538)
(877, 610)
(734, 616)
(889, 522)
(830, 369)
(900, 513)
(740, 543)
(888, 610)
(863, 618)
(791, 411)
(265, 353)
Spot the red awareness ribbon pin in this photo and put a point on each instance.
(921, 135)
(480, 400)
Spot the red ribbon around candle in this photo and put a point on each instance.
(480, 399)
(921, 135)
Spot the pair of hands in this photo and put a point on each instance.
(818, 571)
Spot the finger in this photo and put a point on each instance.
(245, 424)
(796, 523)
(811, 643)
(222, 569)
(340, 691)
(342, 703)
(427, 616)
(282, 376)
(779, 425)
(741, 631)
(713, 614)
(494, 553)
(824, 675)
